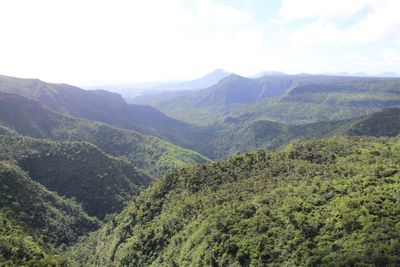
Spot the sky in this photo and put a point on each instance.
(106, 42)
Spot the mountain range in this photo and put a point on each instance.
(96, 105)
(224, 138)
(363, 74)
(290, 98)
(276, 170)
(147, 153)
(139, 90)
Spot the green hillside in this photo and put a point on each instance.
(216, 141)
(385, 123)
(96, 105)
(206, 105)
(74, 169)
(34, 222)
(332, 101)
(333, 202)
(231, 135)
(148, 154)
(288, 98)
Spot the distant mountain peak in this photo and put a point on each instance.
(218, 71)
(215, 75)
(231, 78)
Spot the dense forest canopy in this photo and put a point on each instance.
(332, 202)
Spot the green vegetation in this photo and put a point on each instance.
(333, 202)
(19, 249)
(6, 131)
(205, 106)
(35, 223)
(257, 107)
(287, 99)
(147, 153)
(336, 101)
(96, 105)
(75, 169)
(231, 135)
(385, 123)
(58, 219)
(329, 202)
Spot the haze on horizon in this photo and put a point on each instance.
(97, 42)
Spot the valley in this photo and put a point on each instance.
(293, 170)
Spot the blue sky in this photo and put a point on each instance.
(95, 42)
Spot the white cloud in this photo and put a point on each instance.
(354, 58)
(391, 57)
(75, 41)
(320, 31)
(222, 13)
(295, 9)
(101, 41)
(381, 24)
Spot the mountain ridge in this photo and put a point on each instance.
(97, 105)
(76, 169)
(236, 134)
(275, 98)
(35, 223)
(147, 153)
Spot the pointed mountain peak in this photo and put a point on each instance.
(232, 77)
(217, 74)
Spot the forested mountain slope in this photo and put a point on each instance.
(216, 141)
(236, 89)
(290, 98)
(34, 222)
(97, 105)
(148, 154)
(231, 135)
(332, 202)
(328, 101)
(76, 169)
